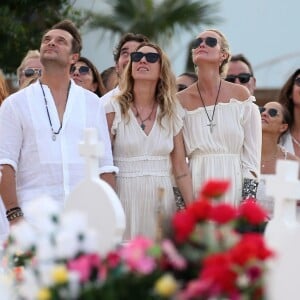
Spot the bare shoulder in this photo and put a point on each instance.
(187, 96)
(236, 91)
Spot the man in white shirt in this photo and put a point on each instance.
(41, 126)
(127, 44)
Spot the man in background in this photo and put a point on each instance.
(240, 71)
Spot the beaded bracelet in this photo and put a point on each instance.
(15, 215)
(12, 210)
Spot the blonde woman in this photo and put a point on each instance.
(146, 131)
(30, 68)
(222, 128)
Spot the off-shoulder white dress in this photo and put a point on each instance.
(231, 151)
(144, 167)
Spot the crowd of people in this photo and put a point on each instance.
(159, 132)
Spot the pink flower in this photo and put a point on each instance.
(136, 257)
(173, 256)
(84, 265)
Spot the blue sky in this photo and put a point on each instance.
(265, 31)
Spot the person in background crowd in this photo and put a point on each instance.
(145, 122)
(4, 91)
(41, 126)
(185, 79)
(289, 97)
(4, 227)
(110, 78)
(127, 44)
(240, 71)
(275, 120)
(222, 127)
(85, 74)
(30, 68)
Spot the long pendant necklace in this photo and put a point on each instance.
(210, 124)
(54, 133)
(138, 115)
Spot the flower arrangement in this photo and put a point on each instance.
(211, 250)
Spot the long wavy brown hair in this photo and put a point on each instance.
(286, 95)
(165, 87)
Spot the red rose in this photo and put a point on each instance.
(218, 269)
(113, 259)
(250, 247)
(183, 224)
(223, 213)
(252, 212)
(214, 188)
(200, 209)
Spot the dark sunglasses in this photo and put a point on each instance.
(297, 81)
(82, 70)
(151, 57)
(209, 41)
(243, 77)
(30, 72)
(272, 112)
(181, 87)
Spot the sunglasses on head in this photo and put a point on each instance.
(30, 72)
(297, 81)
(242, 77)
(272, 112)
(82, 70)
(209, 41)
(151, 57)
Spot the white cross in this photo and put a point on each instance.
(92, 150)
(284, 187)
(211, 126)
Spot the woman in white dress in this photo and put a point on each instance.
(289, 97)
(146, 130)
(275, 119)
(222, 128)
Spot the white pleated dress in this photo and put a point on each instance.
(144, 167)
(231, 151)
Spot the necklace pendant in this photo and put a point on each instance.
(143, 126)
(53, 137)
(211, 126)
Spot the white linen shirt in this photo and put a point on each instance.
(44, 166)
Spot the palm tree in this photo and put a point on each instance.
(159, 20)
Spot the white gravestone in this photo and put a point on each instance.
(96, 198)
(283, 233)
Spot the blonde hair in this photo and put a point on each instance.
(30, 54)
(3, 88)
(165, 93)
(226, 49)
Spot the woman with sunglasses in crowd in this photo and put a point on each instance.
(30, 68)
(145, 122)
(85, 74)
(289, 97)
(222, 128)
(275, 120)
